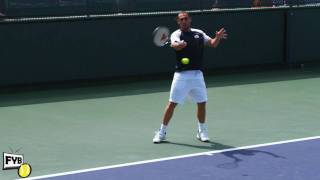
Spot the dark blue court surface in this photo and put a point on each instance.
(289, 161)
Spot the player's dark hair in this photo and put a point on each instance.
(182, 12)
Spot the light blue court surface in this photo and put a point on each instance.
(287, 160)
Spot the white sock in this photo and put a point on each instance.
(163, 129)
(201, 126)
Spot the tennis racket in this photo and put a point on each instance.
(161, 36)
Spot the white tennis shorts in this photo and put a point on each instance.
(188, 84)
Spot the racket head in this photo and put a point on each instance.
(161, 36)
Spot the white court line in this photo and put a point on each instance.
(210, 153)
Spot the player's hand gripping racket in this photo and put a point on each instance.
(161, 36)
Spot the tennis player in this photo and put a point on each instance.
(188, 78)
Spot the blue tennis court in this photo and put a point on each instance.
(285, 160)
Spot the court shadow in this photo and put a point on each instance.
(235, 160)
(93, 89)
(259, 74)
(235, 156)
(206, 146)
(79, 91)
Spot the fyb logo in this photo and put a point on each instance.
(12, 161)
(16, 161)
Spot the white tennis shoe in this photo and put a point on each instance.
(159, 137)
(203, 135)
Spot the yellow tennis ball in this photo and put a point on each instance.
(24, 170)
(185, 61)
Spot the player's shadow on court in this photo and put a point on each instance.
(235, 156)
(207, 146)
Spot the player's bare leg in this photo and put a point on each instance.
(168, 113)
(202, 133)
(201, 113)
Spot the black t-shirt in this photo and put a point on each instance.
(195, 39)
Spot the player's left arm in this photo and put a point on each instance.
(221, 34)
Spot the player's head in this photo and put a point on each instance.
(184, 21)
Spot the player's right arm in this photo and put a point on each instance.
(178, 46)
(176, 43)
